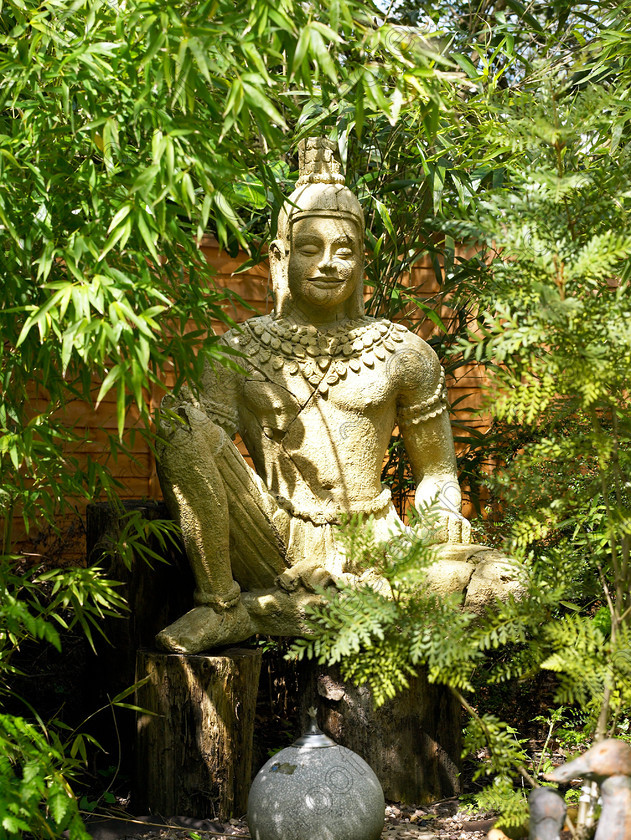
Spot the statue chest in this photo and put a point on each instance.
(303, 385)
(288, 403)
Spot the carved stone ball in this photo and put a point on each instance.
(316, 790)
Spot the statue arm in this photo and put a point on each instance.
(423, 419)
(216, 396)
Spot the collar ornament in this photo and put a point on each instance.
(323, 358)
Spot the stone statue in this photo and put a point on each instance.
(323, 387)
(608, 763)
(547, 814)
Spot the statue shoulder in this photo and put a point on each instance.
(223, 360)
(419, 381)
(414, 365)
(221, 382)
(230, 338)
(236, 345)
(236, 338)
(256, 325)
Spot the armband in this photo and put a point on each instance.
(410, 415)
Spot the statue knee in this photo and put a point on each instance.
(182, 424)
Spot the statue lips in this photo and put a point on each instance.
(327, 281)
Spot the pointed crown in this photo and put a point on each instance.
(320, 189)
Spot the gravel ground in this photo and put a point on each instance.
(402, 822)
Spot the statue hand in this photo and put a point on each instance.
(369, 578)
(442, 501)
(306, 573)
(448, 527)
(177, 415)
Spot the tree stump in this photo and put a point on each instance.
(413, 742)
(194, 755)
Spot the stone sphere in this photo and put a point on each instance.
(316, 792)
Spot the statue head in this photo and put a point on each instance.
(318, 255)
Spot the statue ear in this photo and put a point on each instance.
(277, 249)
(279, 265)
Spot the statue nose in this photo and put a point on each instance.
(326, 263)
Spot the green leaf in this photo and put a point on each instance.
(257, 100)
(112, 377)
(432, 315)
(13, 824)
(466, 65)
(200, 57)
(119, 216)
(146, 178)
(147, 236)
(524, 15)
(121, 407)
(60, 806)
(119, 235)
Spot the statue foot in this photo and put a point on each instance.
(204, 627)
(479, 573)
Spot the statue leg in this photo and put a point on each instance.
(216, 498)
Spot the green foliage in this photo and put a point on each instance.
(383, 635)
(141, 539)
(37, 763)
(39, 759)
(544, 765)
(38, 606)
(501, 795)
(34, 795)
(552, 324)
(508, 750)
(381, 629)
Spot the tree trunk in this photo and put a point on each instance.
(413, 742)
(194, 755)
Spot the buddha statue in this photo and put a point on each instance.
(318, 390)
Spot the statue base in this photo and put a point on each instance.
(194, 753)
(196, 760)
(413, 742)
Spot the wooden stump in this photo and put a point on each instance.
(194, 755)
(413, 742)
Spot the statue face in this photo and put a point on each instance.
(325, 261)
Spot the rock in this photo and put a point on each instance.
(329, 689)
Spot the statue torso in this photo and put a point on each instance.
(316, 410)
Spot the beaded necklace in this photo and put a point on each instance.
(323, 357)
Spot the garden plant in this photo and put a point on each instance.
(129, 130)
